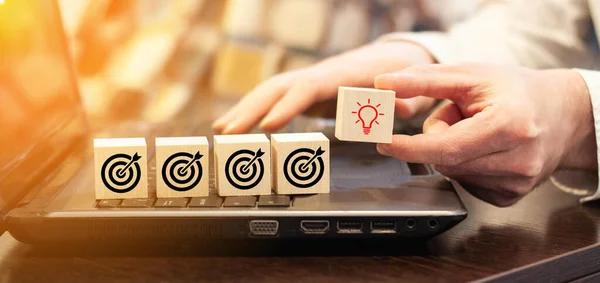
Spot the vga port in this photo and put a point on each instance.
(264, 227)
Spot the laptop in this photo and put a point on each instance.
(47, 172)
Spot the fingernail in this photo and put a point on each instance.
(265, 122)
(221, 120)
(217, 126)
(383, 149)
(229, 128)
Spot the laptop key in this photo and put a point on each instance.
(109, 203)
(242, 201)
(137, 203)
(171, 202)
(209, 201)
(274, 201)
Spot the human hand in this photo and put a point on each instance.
(506, 131)
(280, 98)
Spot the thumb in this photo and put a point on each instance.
(436, 81)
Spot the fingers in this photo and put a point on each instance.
(312, 88)
(512, 163)
(407, 108)
(220, 124)
(499, 191)
(255, 105)
(440, 120)
(296, 94)
(482, 134)
(480, 189)
(436, 81)
(299, 98)
(288, 95)
(500, 178)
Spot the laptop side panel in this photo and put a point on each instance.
(434, 211)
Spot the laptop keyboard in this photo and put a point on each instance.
(213, 201)
(354, 169)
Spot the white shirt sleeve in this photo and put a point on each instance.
(592, 80)
(532, 33)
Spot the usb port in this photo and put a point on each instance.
(383, 226)
(349, 227)
(314, 226)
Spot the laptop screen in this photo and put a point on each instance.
(40, 108)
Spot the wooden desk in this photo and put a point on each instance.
(491, 242)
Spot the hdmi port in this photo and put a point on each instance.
(314, 226)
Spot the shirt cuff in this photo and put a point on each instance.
(592, 80)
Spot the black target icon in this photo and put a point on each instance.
(244, 169)
(182, 171)
(304, 167)
(121, 172)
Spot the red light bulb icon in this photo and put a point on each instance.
(367, 115)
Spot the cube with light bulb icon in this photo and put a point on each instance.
(365, 115)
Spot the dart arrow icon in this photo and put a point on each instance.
(121, 172)
(318, 153)
(257, 155)
(197, 156)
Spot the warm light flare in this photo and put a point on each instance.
(41, 117)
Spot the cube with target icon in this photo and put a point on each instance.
(120, 168)
(182, 167)
(365, 115)
(300, 163)
(242, 164)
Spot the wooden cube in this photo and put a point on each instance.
(300, 163)
(182, 167)
(242, 165)
(365, 115)
(120, 168)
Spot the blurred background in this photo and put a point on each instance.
(139, 63)
(160, 55)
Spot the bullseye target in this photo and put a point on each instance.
(121, 172)
(244, 169)
(304, 167)
(182, 171)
